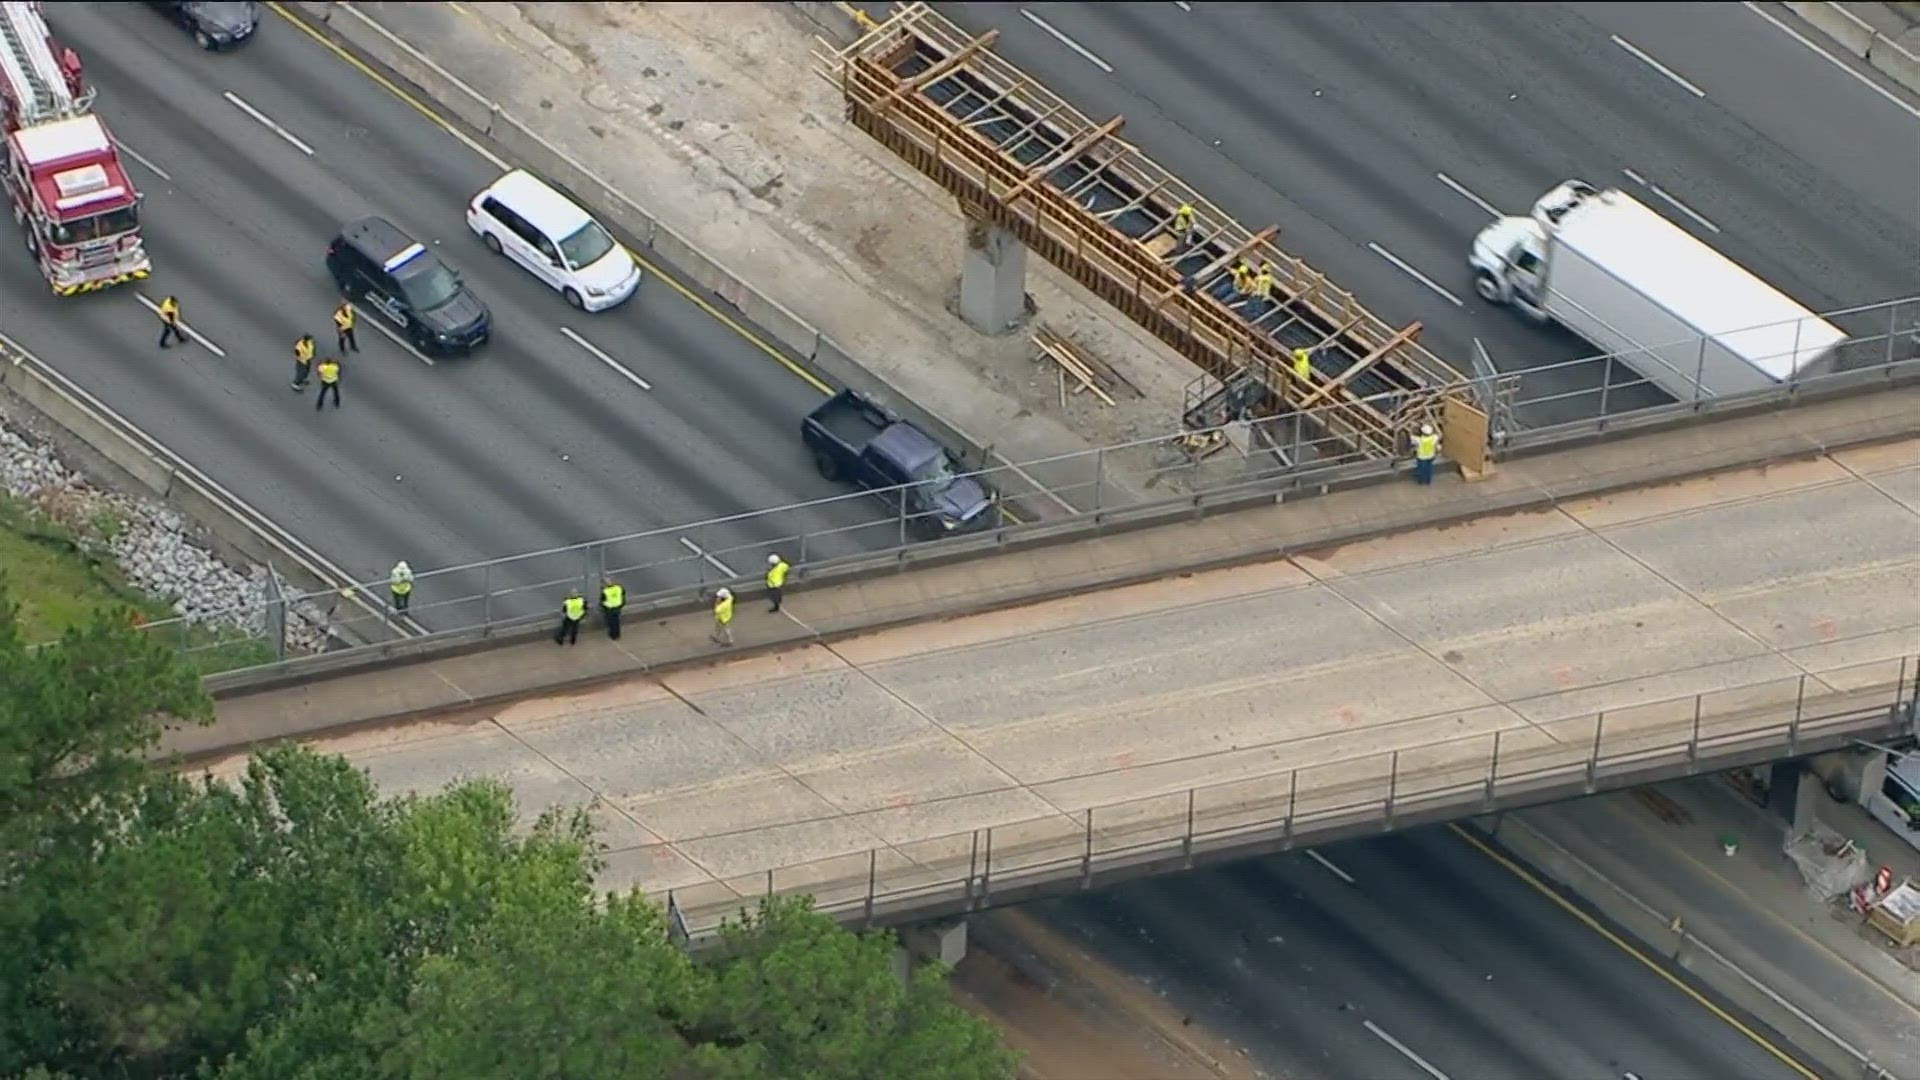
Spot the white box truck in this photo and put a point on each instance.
(1687, 318)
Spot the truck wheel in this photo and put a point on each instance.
(1487, 288)
(829, 468)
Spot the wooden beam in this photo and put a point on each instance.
(1265, 235)
(1087, 141)
(1406, 334)
(944, 67)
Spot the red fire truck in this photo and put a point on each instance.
(64, 176)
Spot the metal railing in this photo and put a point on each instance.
(1283, 807)
(1148, 479)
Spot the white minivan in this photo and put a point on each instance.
(1897, 803)
(519, 216)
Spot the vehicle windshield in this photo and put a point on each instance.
(935, 474)
(428, 284)
(588, 245)
(223, 14)
(97, 227)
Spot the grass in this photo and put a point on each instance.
(58, 585)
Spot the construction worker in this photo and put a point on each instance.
(302, 361)
(1185, 225)
(343, 320)
(723, 617)
(613, 597)
(170, 323)
(777, 568)
(1242, 278)
(1303, 365)
(573, 611)
(1259, 289)
(1426, 447)
(400, 584)
(329, 382)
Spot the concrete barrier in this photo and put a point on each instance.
(1895, 62)
(1838, 24)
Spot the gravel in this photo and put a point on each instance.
(152, 544)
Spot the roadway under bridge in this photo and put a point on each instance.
(1140, 713)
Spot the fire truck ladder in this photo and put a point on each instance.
(39, 86)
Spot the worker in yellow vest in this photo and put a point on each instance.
(302, 361)
(169, 312)
(400, 584)
(1186, 225)
(573, 611)
(343, 320)
(329, 384)
(613, 597)
(723, 617)
(1303, 366)
(1259, 290)
(777, 569)
(1426, 447)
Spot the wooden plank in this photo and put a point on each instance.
(937, 71)
(1087, 141)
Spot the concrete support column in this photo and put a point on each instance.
(944, 941)
(993, 280)
(1792, 793)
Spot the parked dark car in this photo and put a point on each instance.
(399, 280)
(856, 439)
(214, 25)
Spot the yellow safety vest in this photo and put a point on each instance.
(401, 581)
(613, 596)
(1426, 447)
(343, 316)
(303, 350)
(329, 371)
(777, 574)
(575, 607)
(1263, 285)
(169, 309)
(1303, 365)
(723, 610)
(1183, 218)
(1242, 277)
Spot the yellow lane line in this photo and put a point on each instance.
(696, 299)
(1594, 924)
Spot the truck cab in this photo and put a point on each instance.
(855, 439)
(1509, 257)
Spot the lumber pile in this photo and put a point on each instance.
(1087, 372)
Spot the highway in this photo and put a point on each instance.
(534, 443)
(1409, 957)
(1337, 121)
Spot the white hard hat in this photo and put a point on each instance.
(402, 565)
(722, 594)
(1426, 429)
(771, 559)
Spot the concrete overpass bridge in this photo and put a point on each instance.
(1063, 715)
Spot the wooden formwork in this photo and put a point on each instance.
(1018, 157)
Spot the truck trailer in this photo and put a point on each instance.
(1641, 288)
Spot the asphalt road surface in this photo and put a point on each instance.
(532, 444)
(1335, 121)
(1431, 962)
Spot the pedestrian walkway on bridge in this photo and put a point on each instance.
(837, 762)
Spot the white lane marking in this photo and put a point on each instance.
(1415, 274)
(1182, 5)
(1405, 1052)
(1461, 190)
(1834, 60)
(607, 360)
(1067, 41)
(698, 550)
(1659, 67)
(142, 159)
(1671, 201)
(392, 335)
(190, 331)
(270, 123)
(1334, 870)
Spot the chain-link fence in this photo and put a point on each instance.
(1191, 471)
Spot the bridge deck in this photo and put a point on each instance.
(1286, 686)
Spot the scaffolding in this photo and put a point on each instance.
(1020, 159)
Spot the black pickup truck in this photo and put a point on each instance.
(855, 439)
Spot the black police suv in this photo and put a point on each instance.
(214, 26)
(399, 280)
